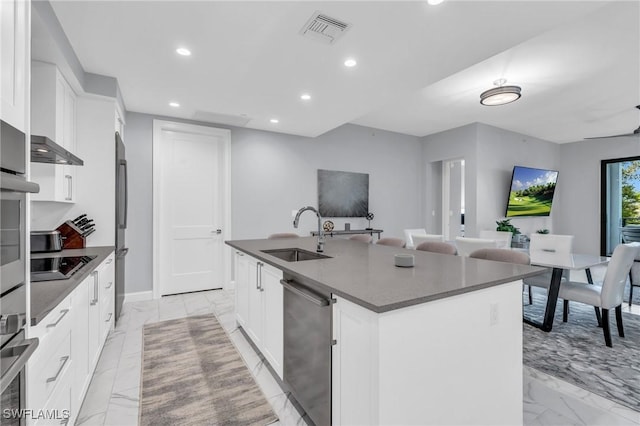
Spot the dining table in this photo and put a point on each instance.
(559, 262)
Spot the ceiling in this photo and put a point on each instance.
(420, 68)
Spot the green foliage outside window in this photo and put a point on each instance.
(630, 197)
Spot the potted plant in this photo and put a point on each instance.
(506, 225)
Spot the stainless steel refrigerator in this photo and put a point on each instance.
(121, 221)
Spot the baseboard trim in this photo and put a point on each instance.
(139, 296)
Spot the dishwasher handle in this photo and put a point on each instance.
(306, 294)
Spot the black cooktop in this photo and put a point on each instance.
(57, 268)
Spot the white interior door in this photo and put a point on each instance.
(190, 181)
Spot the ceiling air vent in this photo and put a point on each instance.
(324, 28)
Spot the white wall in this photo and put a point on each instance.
(273, 174)
(579, 204)
(95, 180)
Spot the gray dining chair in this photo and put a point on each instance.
(437, 247)
(363, 238)
(280, 235)
(390, 241)
(607, 296)
(501, 255)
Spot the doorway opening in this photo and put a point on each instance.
(620, 200)
(453, 199)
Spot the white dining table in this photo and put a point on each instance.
(559, 262)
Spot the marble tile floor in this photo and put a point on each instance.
(113, 396)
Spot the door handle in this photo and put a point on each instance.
(94, 301)
(69, 187)
(64, 360)
(217, 231)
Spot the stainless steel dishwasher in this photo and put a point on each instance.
(307, 349)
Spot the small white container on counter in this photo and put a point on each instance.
(404, 260)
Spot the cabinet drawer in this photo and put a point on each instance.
(58, 319)
(58, 410)
(47, 372)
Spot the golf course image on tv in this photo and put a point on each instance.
(531, 192)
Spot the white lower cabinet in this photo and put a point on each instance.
(71, 338)
(259, 307)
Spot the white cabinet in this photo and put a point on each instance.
(15, 39)
(71, 338)
(53, 114)
(242, 288)
(50, 369)
(259, 307)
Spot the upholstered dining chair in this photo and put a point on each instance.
(630, 234)
(467, 245)
(390, 241)
(410, 233)
(280, 235)
(634, 277)
(502, 237)
(427, 238)
(607, 296)
(363, 238)
(501, 255)
(544, 244)
(437, 247)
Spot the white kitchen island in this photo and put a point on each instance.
(439, 343)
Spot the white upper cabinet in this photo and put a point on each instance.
(53, 114)
(14, 57)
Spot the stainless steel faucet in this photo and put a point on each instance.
(320, 247)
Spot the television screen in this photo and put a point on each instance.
(531, 192)
(343, 194)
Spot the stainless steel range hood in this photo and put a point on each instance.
(44, 150)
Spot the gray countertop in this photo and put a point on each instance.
(46, 295)
(366, 274)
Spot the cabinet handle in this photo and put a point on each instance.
(109, 261)
(258, 276)
(261, 286)
(69, 187)
(110, 285)
(109, 319)
(63, 312)
(94, 301)
(64, 360)
(64, 422)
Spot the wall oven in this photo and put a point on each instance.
(14, 348)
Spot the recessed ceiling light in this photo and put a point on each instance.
(183, 51)
(434, 2)
(350, 63)
(174, 104)
(305, 96)
(274, 121)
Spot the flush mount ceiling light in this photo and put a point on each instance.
(183, 51)
(305, 97)
(174, 104)
(434, 2)
(349, 63)
(500, 95)
(274, 121)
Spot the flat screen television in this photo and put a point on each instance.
(531, 191)
(343, 194)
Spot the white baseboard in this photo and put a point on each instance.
(139, 296)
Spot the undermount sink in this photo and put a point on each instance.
(295, 254)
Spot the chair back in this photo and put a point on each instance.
(502, 237)
(363, 238)
(427, 238)
(615, 278)
(437, 247)
(630, 234)
(501, 255)
(390, 241)
(466, 245)
(409, 233)
(280, 235)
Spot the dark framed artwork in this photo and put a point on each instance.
(343, 194)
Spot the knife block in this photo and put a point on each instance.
(71, 236)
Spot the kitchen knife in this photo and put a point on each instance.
(83, 222)
(86, 234)
(79, 218)
(87, 227)
(86, 223)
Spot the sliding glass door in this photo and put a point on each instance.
(620, 200)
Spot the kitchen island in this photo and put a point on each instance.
(438, 343)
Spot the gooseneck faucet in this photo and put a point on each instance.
(320, 247)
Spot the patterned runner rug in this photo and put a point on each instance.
(193, 375)
(575, 351)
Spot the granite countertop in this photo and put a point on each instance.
(366, 273)
(46, 295)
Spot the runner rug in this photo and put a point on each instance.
(193, 375)
(575, 352)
